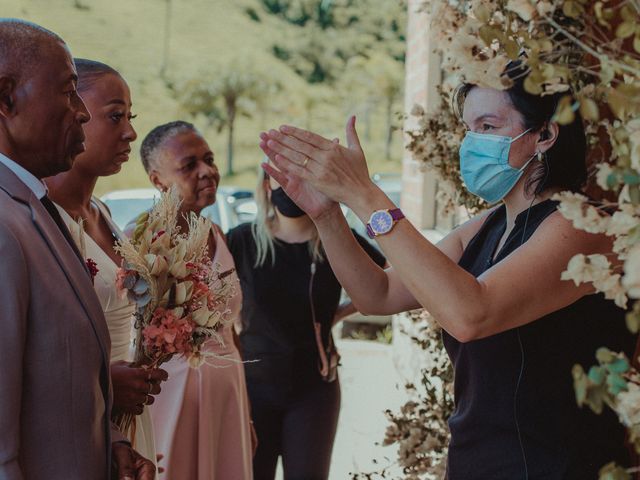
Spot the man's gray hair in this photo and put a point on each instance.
(23, 44)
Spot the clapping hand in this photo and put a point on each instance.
(309, 165)
(130, 465)
(313, 202)
(134, 387)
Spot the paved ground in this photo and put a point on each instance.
(368, 380)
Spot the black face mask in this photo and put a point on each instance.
(284, 204)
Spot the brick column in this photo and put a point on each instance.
(423, 74)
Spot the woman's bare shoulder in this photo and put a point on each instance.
(556, 228)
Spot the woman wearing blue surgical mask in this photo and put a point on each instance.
(512, 328)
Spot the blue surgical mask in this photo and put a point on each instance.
(484, 164)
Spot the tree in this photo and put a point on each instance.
(387, 77)
(223, 96)
(376, 81)
(302, 12)
(319, 37)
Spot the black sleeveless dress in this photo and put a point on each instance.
(516, 415)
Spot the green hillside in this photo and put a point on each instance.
(206, 36)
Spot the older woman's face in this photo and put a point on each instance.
(187, 162)
(109, 133)
(491, 111)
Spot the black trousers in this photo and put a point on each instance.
(296, 423)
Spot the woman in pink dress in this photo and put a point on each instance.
(201, 421)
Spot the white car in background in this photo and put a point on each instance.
(233, 205)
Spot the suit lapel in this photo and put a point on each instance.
(74, 271)
(69, 263)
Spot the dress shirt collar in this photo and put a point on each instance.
(37, 186)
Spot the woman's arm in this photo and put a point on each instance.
(372, 289)
(344, 310)
(521, 288)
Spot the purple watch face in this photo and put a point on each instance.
(381, 222)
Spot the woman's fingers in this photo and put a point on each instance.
(157, 375)
(293, 143)
(154, 389)
(352, 136)
(276, 174)
(288, 166)
(264, 138)
(307, 137)
(290, 154)
(138, 398)
(267, 151)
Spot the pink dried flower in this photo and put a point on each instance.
(200, 289)
(168, 334)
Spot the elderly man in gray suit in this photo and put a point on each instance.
(55, 390)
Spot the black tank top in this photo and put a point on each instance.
(516, 415)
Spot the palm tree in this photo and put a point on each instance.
(223, 97)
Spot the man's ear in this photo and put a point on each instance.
(155, 180)
(7, 96)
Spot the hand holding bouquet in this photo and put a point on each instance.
(181, 297)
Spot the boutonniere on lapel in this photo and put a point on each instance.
(77, 233)
(92, 266)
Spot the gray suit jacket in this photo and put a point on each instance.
(54, 350)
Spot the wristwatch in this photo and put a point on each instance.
(382, 221)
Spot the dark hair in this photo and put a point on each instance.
(564, 164)
(91, 70)
(156, 137)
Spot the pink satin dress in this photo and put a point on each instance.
(201, 417)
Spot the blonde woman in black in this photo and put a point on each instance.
(290, 302)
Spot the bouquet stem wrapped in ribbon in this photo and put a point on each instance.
(181, 297)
